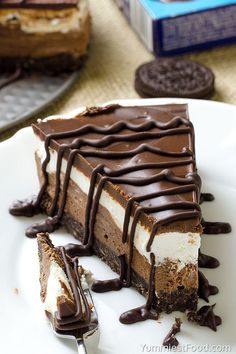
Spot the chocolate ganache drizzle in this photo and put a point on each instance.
(180, 209)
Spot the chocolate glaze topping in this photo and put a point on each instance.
(204, 288)
(170, 340)
(44, 4)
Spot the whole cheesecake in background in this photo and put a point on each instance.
(46, 35)
(123, 180)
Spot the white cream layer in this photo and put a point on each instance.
(54, 288)
(46, 21)
(181, 248)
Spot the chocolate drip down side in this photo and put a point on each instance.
(170, 340)
(204, 288)
(206, 197)
(205, 261)
(214, 228)
(144, 312)
(102, 286)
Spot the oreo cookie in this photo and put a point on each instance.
(174, 78)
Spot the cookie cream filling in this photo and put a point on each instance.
(180, 248)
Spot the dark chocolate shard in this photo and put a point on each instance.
(204, 288)
(214, 228)
(170, 340)
(205, 261)
(205, 317)
(26, 207)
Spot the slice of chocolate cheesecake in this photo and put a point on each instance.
(62, 280)
(123, 180)
(48, 35)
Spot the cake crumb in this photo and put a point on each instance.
(16, 291)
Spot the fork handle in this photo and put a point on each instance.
(81, 346)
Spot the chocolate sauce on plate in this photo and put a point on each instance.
(144, 312)
(205, 317)
(170, 340)
(214, 228)
(205, 261)
(102, 286)
(206, 197)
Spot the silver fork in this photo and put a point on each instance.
(84, 333)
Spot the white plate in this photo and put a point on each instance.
(23, 328)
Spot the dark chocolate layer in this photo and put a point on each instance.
(48, 65)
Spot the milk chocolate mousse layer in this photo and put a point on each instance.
(123, 180)
(51, 36)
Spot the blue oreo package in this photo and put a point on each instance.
(170, 27)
